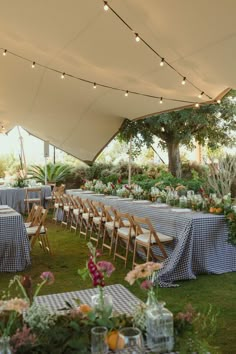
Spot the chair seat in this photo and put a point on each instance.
(27, 224)
(66, 207)
(58, 205)
(31, 200)
(110, 225)
(48, 198)
(32, 230)
(76, 212)
(87, 215)
(124, 232)
(98, 219)
(145, 238)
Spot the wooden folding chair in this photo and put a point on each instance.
(124, 235)
(33, 216)
(86, 218)
(110, 227)
(76, 213)
(32, 196)
(146, 237)
(39, 232)
(97, 222)
(66, 210)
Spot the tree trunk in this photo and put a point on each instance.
(174, 165)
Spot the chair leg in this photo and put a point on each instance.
(134, 255)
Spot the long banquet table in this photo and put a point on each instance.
(14, 242)
(200, 238)
(14, 197)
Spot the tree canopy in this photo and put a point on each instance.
(212, 124)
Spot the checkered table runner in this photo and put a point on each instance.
(14, 242)
(200, 239)
(123, 300)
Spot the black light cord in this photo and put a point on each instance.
(95, 84)
(163, 60)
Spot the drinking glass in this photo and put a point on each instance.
(130, 338)
(99, 340)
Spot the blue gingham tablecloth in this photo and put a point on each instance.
(14, 242)
(200, 239)
(14, 197)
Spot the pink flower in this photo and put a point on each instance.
(106, 267)
(146, 284)
(23, 337)
(48, 276)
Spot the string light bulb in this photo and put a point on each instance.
(184, 80)
(137, 38)
(162, 62)
(94, 85)
(197, 105)
(63, 76)
(126, 93)
(33, 65)
(106, 7)
(218, 101)
(161, 100)
(201, 94)
(4, 53)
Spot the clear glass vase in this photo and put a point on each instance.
(5, 347)
(102, 303)
(159, 326)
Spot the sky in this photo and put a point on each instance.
(33, 147)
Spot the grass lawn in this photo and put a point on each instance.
(70, 253)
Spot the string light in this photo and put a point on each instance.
(161, 100)
(218, 101)
(4, 53)
(120, 18)
(137, 38)
(33, 65)
(201, 94)
(162, 62)
(106, 7)
(184, 80)
(94, 83)
(197, 105)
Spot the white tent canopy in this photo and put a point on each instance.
(79, 38)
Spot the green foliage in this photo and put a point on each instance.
(212, 124)
(8, 163)
(56, 173)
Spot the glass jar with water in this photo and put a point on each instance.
(160, 328)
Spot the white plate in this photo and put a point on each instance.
(125, 199)
(87, 192)
(4, 207)
(111, 197)
(179, 210)
(161, 205)
(141, 201)
(9, 211)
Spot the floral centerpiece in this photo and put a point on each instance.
(98, 270)
(110, 188)
(147, 276)
(29, 328)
